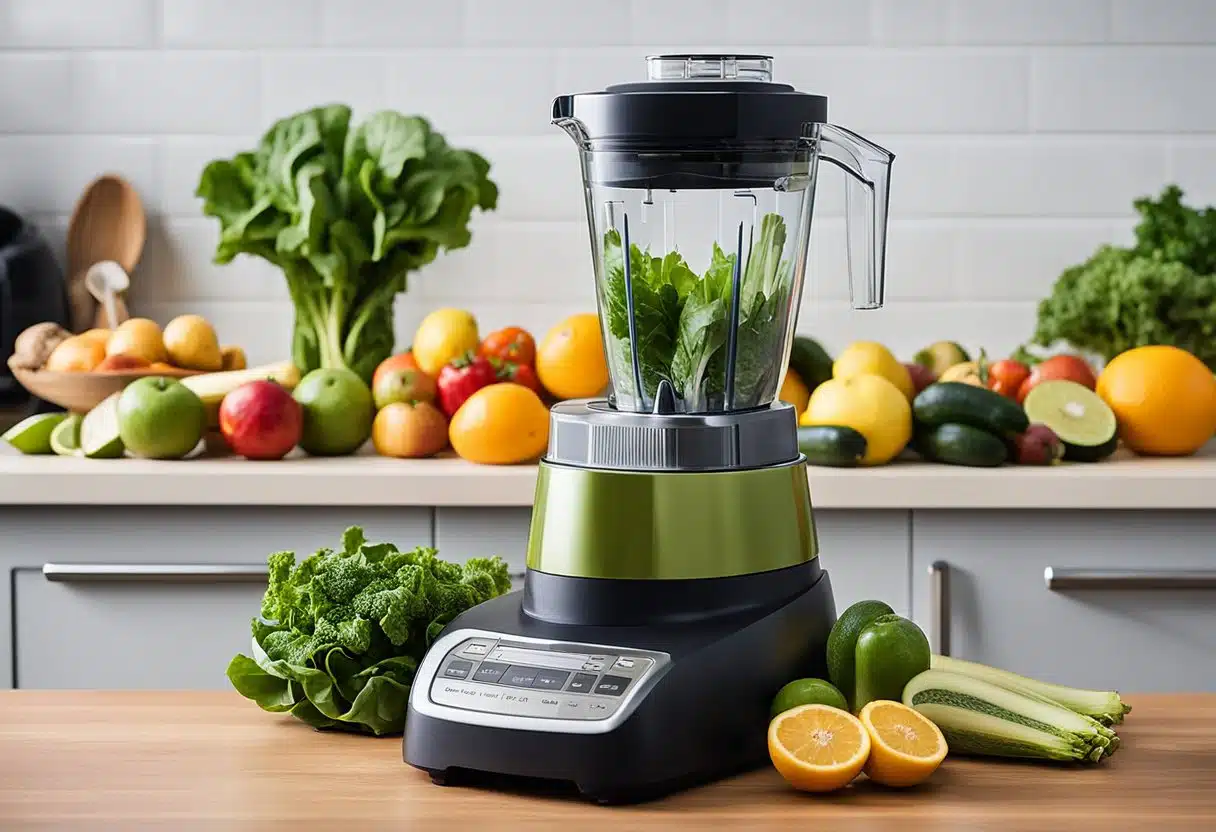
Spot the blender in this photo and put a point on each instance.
(673, 583)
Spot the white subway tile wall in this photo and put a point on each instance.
(1023, 131)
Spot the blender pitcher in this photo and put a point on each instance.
(700, 188)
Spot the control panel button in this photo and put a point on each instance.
(519, 677)
(593, 666)
(581, 683)
(472, 697)
(457, 669)
(550, 679)
(490, 672)
(612, 685)
(476, 648)
(624, 664)
(598, 710)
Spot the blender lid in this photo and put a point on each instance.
(694, 100)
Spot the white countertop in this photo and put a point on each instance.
(1124, 482)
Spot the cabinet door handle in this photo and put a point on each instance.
(154, 573)
(1063, 579)
(939, 607)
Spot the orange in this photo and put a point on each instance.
(500, 425)
(794, 391)
(905, 747)
(818, 748)
(570, 361)
(140, 337)
(1164, 399)
(76, 355)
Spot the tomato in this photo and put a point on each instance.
(1059, 367)
(524, 374)
(462, 378)
(512, 344)
(400, 361)
(1006, 377)
(409, 430)
(502, 424)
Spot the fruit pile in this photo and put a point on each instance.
(188, 342)
(485, 397)
(894, 710)
(867, 408)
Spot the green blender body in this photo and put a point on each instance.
(673, 583)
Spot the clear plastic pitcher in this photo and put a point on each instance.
(700, 188)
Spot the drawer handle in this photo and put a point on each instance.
(154, 573)
(939, 607)
(162, 573)
(1062, 579)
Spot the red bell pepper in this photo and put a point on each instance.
(461, 378)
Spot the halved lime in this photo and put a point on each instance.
(99, 437)
(65, 438)
(1085, 424)
(32, 435)
(808, 692)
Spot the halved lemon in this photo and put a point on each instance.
(906, 747)
(818, 748)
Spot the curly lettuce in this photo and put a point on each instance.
(341, 633)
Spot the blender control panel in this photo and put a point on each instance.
(558, 681)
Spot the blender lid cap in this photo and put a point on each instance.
(698, 100)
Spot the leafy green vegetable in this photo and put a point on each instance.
(682, 321)
(1160, 291)
(341, 633)
(346, 213)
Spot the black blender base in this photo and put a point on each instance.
(705, 719)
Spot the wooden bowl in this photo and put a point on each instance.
(81, 392)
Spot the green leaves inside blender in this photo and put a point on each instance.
(683, 320)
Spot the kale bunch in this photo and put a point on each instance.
(1162, 290)
(341, 633)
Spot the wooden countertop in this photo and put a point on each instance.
(1123, 482)
(101, 760)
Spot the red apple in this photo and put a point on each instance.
(261, 420)
(922, 376)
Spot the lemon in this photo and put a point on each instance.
(191, 343)
(32, 435)
(872, 358)
(794, 391)
(870, 405)
(905, 747)
(817, 748)
(443, 335)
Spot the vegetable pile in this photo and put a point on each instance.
(682, 321)
(341, 633)
(1162, 290)
(346, 214)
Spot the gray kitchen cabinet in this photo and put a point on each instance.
(153, 627)
(866, 552)
(1132, 606)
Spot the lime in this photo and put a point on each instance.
(99, 437)
(890, 651)
(843, 641)
(32, 435)
(65, 438)
(808, 692)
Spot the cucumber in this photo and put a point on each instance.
(1085, 424)
(980, 718)
(833, 446)
(956, 444)
(966, 404)
(810, 361)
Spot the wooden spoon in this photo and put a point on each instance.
(108, 223)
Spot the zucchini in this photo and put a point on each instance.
(1085, 424)
(833, 446)
(1103, 705)
(967, 404)
(983, 719)
(956, 444)
(810, 361)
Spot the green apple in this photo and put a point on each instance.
(338, 412)
(160, 418)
